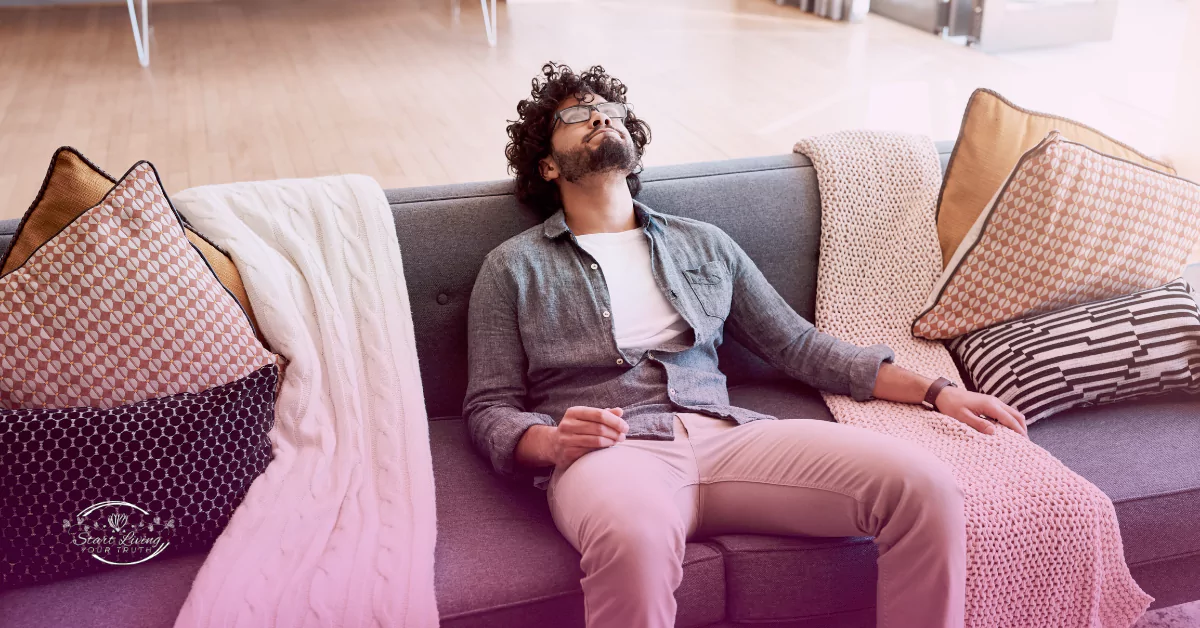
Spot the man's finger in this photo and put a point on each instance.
(1018, 421)
(1021, 417)
(588, 441)
(1007, 416)
(973, 420)
(1007, 420)
(602, 416)
(593, 428)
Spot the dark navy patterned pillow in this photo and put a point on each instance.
(1141, 344)
(85, 488)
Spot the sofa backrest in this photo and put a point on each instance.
(769, 205)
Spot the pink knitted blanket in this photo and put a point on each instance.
(1043, 545)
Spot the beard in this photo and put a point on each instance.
(614, 154)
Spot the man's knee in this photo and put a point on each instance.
(919, 479)
(640, 538)
(930, 486)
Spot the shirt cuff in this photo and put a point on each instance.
(865, 369)
(503, 441)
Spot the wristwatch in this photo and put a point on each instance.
(935, 389)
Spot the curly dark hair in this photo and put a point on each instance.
(529, 135)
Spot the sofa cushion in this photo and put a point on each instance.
(994, 135)
(773, 578)
(168, 472)
(797, 578)
(148, 595)
(1142, 454)
(118, 307)
(500, 561)
(1069, 226)
(446, 231)
(72, 186)
(1148, 471)
(1126, 347)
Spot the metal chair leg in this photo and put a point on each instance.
(142, 39)
(489, 21)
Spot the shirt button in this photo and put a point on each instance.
(594, 267)
(620, 361)
(605, 313)
(672, 391)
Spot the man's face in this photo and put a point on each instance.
(597, 145)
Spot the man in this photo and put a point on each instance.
(593, 358)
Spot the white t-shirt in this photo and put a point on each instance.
(642, 317)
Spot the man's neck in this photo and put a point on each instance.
(598, 204)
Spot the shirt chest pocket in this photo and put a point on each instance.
(713, 287)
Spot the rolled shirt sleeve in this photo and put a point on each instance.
(496, 366)
(864, 370)
(762, 321)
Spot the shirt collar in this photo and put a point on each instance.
(556, 225)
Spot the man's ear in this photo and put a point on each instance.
(548, 169)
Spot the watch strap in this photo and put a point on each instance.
(935, 389)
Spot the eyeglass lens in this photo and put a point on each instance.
(579, 113)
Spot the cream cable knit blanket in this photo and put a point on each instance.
(1043, 546)
(339, 530)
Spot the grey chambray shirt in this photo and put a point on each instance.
(541, 339)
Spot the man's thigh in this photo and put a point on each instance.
(630, 483)
(805, 477)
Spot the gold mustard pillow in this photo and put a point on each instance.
(994, 135)
(72, 186)
(1070, 225)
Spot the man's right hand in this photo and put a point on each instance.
(585, 429)
(581, 430)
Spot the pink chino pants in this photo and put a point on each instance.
(629, 510)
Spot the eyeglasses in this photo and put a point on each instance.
(581, 113)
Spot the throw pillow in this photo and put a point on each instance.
(1069, 226)
(1129, 346)
(994, 135)
(86, 487)
(118, 307)
(72, 186)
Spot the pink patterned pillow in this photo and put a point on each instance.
(119, 307)
(1070, 225)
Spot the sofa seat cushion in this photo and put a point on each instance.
(798, 578)
(795, 578)
(1142, 454)
(148, 595)
(500, 561)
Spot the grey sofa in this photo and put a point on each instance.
(500, 560)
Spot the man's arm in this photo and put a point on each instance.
(899, 384)
(496, 366)
(516, 441)
(760, 319)
(765, 323)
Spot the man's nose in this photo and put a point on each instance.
(600, 119)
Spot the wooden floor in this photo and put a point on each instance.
(409, 92)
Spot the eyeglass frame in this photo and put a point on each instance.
(590, 107)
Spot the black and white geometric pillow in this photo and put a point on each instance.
(85, 488)
(1136, 345)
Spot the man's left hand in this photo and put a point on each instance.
(974, 409)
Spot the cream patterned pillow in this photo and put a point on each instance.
(1070, 225)
(119, 307)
